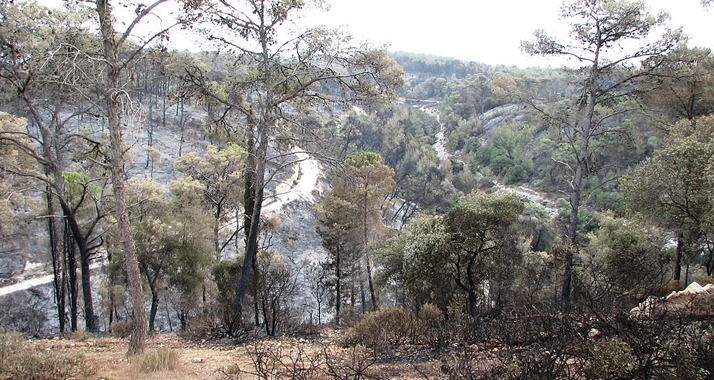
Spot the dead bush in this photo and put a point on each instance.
(162, 359)
(26, 364)
(385, 328)
(81, 336)
(431, 327)
(10, 342)
(272, 360)
(121, 329)
(350, 316)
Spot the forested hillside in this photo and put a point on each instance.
(500, 222)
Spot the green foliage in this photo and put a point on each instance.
(674, 186)
(403, 137)
(506, 155)
(161, 359)
(226, 274)
(481, 241)
(474, 241)
(76, 184)
(388, 257)
(171, 237)
(426, 271)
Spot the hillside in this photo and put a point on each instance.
(293, 203)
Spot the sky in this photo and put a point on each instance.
(485, 31)
(482, 31)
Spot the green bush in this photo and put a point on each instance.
(226, 274)
(163, 359)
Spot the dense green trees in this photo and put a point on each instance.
(674, 188)
(472, 247)
(171, 235)
(221, 174)
(351, 217)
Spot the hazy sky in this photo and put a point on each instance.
(486, 31)
(483, 31)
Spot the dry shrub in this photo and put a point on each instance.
(669, 287)
(276, 361)
(29, 365)
(665, 347)
(609, 358)
(305, 329)
(162, 359)
(384, 328)
(81, 336)
(121, 329)
(18, 363)
(430, 330)
(350, 316)
(10, 342)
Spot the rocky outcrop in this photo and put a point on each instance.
(695, 300)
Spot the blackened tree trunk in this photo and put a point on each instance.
(57, 264)
(338, 285)
(154, 306)
(677, 270)
(71, 266)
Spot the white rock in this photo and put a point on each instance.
(693, 288)
(196, 360)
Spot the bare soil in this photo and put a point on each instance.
(210, 360)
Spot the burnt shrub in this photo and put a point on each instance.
(382, 329)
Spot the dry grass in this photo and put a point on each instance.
(161, 359)
(108, 356)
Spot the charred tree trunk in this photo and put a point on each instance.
(252, 240)
(677, 271)
(57, 267)
(154, 306)
(338, 286)
(71, 266)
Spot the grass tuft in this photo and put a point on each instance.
(162, 359)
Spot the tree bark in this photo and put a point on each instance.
(338, 287)
(252, 241)
(154, 307)
(71, 266)
(473, 303)
(365, 242)
(112, 96)
(678, 257)
(57, 267)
